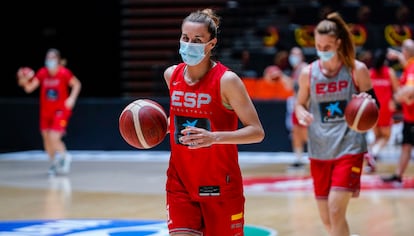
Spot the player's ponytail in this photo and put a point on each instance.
(334, 25)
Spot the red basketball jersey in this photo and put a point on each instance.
(54, 88)
(407, 79)
(381, 83)
(212, 172)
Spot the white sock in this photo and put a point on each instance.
(298, 154)
(376, 149)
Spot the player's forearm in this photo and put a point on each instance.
(245, 135)
(75, 90)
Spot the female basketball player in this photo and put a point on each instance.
(384, 82)
(298, 132)
(204, 182)
(405, 96)
(58, 94)
(336, 152)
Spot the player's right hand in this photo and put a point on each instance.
(24, 74)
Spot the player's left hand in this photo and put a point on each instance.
(364, 95)
(196, 137)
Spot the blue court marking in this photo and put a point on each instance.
(100, 227)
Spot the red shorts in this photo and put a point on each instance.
(207, 218)
(56, 120)
(339, 174)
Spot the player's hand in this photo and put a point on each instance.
(392, 106)
(24, 74)
(304, 117)
(364, 95)
(393, 54)
(69, 103)
(196, 137)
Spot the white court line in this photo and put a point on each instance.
(389, 155)
(142, 156)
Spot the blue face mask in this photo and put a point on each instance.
(51, 64)
(192, 53)
(325, 55)
(294, 60)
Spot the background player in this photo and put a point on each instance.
(336, 152)
(59, 90)
(384, 82)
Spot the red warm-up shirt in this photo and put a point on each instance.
(211, 172)
(407, 79)
(53, 89)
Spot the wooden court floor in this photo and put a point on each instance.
(107, 187)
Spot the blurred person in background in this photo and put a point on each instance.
(298, 132)
(274, 85)
(405, 96)
(384, 82)
(59, 90)
(336, 152)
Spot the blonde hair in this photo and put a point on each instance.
(208, 17)
(335, 26)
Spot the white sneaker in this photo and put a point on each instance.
(64, 164)
(54, 167)
(52, 170)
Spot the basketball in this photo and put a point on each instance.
(143, 123)
(25, 73)
(361, 114)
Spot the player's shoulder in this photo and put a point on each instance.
(305, 70)
(42, 72)
(65, 69)
(230, 77)
(169, 70)
(359, 65)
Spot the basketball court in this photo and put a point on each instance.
(119, 192)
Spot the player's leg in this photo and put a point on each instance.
(345, 183)
(60, 123)
(405, 156)
(323, 209)
(46, 121)
(382, 138)
(303, 131)
(47, 144)
(404, 159)
(321, 172)
(338, 203)
(184, 216)
(50, 151)
(297, 146)
(61, 155)
(370, 157)
(299, 139)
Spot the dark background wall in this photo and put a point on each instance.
(86, 33)
(94, 125)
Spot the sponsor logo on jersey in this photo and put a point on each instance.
(332, 111)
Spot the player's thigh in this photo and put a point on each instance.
(184, 214)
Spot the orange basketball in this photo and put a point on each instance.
(361, 114)
(143, 123)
